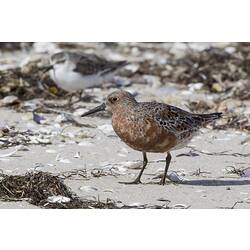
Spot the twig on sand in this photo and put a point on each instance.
(222, 153)
(198, 172)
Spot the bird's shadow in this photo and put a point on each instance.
(215, 182)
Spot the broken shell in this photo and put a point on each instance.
(88, 189)
(9, 100)
(58, 199)
(133, 165)
(181, 206)
(77, 155)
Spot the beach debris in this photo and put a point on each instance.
(173, 176)
(12, 153)
(58, 199)
(38, 118)
(243, 172)
(190, 153)
(88, 188)
(77, 155)
(61, 159)
(4, 130)
(45, 190)
(10, 46)
(199, 172)
(15, 137)
(9, 100)
(51, 151)
(222, 153)
(163, 200)
(108, 170)
(76, 174)
(181, 206)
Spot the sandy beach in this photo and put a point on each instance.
(93, 159)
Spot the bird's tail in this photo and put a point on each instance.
(204, 119)
(115, 66)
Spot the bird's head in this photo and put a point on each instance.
(116, 101)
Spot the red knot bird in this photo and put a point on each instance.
(151, 126)
(76, 71)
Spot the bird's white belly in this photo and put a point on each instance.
(72, 81)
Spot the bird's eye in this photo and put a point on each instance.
(113, 99)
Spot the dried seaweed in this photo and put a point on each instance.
(10, 46)
(199, 106)
(236, 121)
(213, 65)
(26, 83)
(243, 172)
(37, 187)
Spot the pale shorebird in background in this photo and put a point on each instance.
(151, 126)
(76, 71)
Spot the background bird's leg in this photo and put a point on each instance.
(168, 160)
(80, 94)
(70, 99)
(138, 178)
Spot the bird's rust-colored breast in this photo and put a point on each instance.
(142, 134)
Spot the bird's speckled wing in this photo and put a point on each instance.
(177, 121)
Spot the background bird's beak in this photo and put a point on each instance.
(94, 110)
(48, 68)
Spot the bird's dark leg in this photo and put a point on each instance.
(71, 96)
(80, 94)
(70, 100)
(138, 178)
(168, 160)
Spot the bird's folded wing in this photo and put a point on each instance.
(176, 121)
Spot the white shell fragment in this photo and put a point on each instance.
(51, 151)
(133, 164)
(85, 144)
(181, 206)
(58, 199)
(62, 160)
(77, 155)
(175, 177)
(88, 189)
(8, 100)
(12, 153)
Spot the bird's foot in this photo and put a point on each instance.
(162, 182)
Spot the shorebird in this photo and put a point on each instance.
(75, 71)
(151, 126)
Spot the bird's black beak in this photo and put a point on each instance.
(47, 68)
(94, 110)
